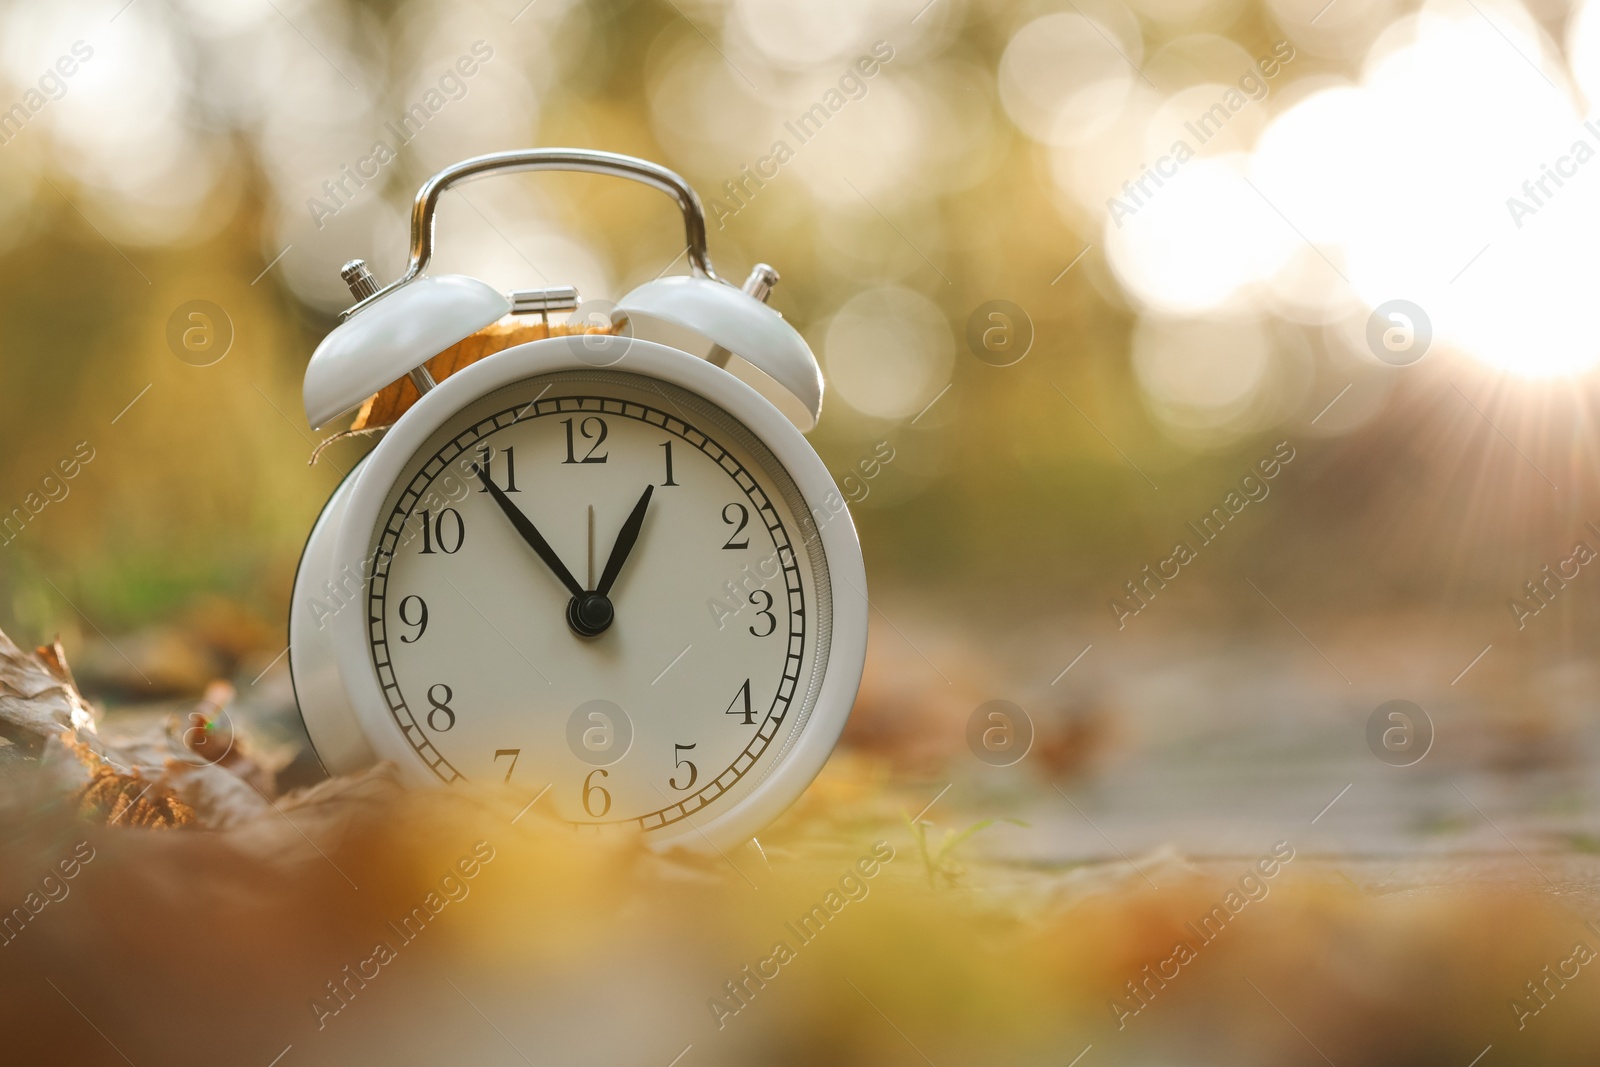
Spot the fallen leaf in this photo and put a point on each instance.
(113, 798)
(388, 404)
(209, 734)
(38, 698)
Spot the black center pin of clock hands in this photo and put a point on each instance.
(589, 612)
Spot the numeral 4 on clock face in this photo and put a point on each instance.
(740, 705)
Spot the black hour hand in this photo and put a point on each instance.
(626, 538)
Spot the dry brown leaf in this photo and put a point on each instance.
(383, 408)
(209, 734)
(115, 798)
(196, 773)
(54, 658)
(306, 825)
(220, 800)
(38, 698)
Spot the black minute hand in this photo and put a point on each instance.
(530, 534)
(626, 537)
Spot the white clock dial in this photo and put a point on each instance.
(668, 702)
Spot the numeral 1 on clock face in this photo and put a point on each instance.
(668, 446)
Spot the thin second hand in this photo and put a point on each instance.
(591, 547)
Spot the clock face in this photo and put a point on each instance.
(603, 584)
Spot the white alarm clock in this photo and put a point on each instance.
(597, 568)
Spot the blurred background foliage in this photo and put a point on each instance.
(186, 159)
(159, 152)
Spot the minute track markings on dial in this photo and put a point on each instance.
(789, 686)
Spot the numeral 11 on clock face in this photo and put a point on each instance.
(486, 464)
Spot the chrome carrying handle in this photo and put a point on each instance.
(532, 159)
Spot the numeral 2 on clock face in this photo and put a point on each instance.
(738, 523)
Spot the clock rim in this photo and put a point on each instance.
(376, 476)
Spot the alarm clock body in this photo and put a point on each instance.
(448, 612)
